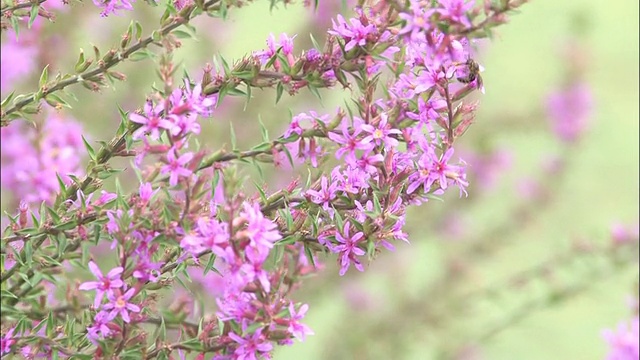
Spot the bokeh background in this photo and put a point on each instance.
(533, 196)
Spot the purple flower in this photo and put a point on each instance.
(286, 43)
(119, 304)
(350, 180)
(325, 194)
(367, 162)
(104, 198)
(456, 11)
(431, 168)
(569, 110)
(350, 142)
(297, 329)
(261, 231)
(185, 124)
(416, 22)
(7, 341)
(355, 34)
(623, 343)
(105, 283)
(428, 110)
(348, 249)
(252, 346)
(176, 166)
(111, 6)
(146, 269)
(99, 329)
(189, 100)
(146, 192)
(152, 122)
(381, 134)
(17, 60)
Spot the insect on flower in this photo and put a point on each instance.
(471, 73)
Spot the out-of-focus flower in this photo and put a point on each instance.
(623, 342)
(569, 110)
(33, 157)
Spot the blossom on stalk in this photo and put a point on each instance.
(325, 195)
(381, 133)
(119, 304)
(261, 231)
(354, 34)
(99, 329)
(112, 6)
(348, 249)
(106, 283)
(251, 347)
(297, 329)
(152, 122)
(456, 11)
(175, 166)
(350, 142)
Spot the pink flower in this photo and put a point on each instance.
(17, 61)
(146, 192)
(152, 122)
(252, 346)
(456, 11)
(111, 6)
(349, 142)
(7, 341)
(354, 34)
(105, 283)
(325, 194)
(381, 134)
(297, 329)
(348, 249)
(176, 166)
(261, 231)
(119, 304)
(416, 22)
(623, 344)
(569, 111)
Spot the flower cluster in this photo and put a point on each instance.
(191, 215)
(33, 158)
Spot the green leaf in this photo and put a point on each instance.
(55, 100)
(33, 15)
(7, 294)
(309, 254)
(138, 31)
(50, 325)
(376, 204)
(279, 91)
(182, 34)
(209, 266)
(163, 329)
(28, 253)
(7, 99)
(142, 55)
(44, 77)
(233, 137)
(263, 130)
(248, 98)
(92, 153)
(193, 344)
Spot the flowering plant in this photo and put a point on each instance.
(192, 219)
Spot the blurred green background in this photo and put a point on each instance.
(361, 315)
